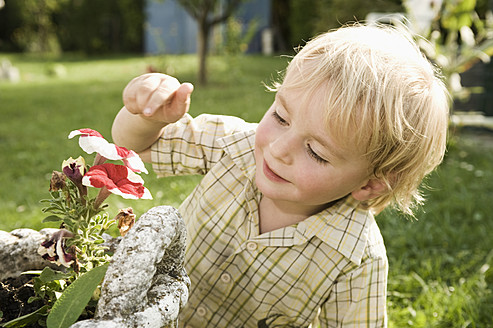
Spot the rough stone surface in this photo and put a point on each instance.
(146, 284)
(19, 252)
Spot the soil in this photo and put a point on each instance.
(14, 294)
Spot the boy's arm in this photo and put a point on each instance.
(151, 102)
(358, 298)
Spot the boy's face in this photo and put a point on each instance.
(298, 164)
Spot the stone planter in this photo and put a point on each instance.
(145, 285)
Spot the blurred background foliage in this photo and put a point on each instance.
(460, 35)
(116, 26)
(87, 26)
(306, 18)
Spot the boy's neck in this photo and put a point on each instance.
(279, 214)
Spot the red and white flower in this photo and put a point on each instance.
(116, 179)
(92, 141)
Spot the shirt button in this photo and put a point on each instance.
(251, 246)
(226, 278)
(201, 311)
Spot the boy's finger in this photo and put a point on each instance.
(161, 98)
(182, 97)
(180, 101)
(147, 88)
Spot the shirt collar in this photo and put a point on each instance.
(344, 226)
(240, 147)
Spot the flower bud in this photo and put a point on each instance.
(126, 220)
(57, 181)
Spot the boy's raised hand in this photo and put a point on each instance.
(157, 97)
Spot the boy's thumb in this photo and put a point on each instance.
(182, 95)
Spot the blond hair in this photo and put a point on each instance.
(385, 97)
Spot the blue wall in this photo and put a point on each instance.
(169, 29)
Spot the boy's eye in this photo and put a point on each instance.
(315, 156)
(279, 119)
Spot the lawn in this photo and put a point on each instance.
(440, 264)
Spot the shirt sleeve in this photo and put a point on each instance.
(190, 145)
(358, 298)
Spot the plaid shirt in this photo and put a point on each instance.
(332, 265)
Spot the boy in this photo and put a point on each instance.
(281, 228)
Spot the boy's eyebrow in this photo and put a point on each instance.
(281, 99)
(334, 150)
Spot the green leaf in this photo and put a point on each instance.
(28, 319)
(74, 299)
(52, 218)
(32, 299)
(48, 274)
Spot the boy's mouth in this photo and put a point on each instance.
(271, 175)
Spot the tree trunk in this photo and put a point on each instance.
(203, 43)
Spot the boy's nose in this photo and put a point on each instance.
(283, 147)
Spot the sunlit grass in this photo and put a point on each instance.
(440, 265)
(57, 96)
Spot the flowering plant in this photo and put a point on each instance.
(83, 219)
(78, 244)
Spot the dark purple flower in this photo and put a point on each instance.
(54, 250)
(74, 169)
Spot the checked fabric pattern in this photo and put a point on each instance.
(332, 265)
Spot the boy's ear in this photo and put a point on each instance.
(372, 189)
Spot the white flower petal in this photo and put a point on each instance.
(86, 181)
(135, 164)
(99, 145)
(118, 192)
(74, 133)
(147, 194)
(134, 177)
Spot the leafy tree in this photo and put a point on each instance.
(91, 26)
(115, 26)
(38, 31)
(207, 13)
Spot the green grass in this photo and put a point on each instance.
(440, 265)
(39, 113)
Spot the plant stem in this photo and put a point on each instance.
(103, 194)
